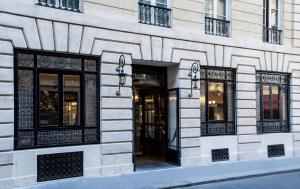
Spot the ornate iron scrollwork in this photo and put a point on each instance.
(194, 79)
(122, 75)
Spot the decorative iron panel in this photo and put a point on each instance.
(220, 154)
(91, 100)
(213, 129)
(59, 166)
(26, 60)
(276, 150)
(216, 74)
(58, 62)
(272, 127)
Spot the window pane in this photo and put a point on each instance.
(71, 100)
(48, 100)
(161, 3)
(274, 13)
(203, 100)
(283, 103)
(216, 101)
(148, 2)
(172, 121)
(275, 102)
(221, 9)
(209, 8)
(266, 102)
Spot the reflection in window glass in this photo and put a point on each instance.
(71, 99)
(161, 3)
(266, 102)
(216, 101)
(209, 8)
(275, 102)
(221, 9)
(49, 100)
(274, 13)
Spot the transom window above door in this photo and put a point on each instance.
(216, 17)
(155, 12)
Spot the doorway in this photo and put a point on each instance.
(151, 113)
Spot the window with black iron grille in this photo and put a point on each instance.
(272, 98)
(276, 150)
(56, 99)
(71, 5)
(216, 22)
(155, 12)
(59, 166)
(217, 101)
(271, 21)
(220, 154)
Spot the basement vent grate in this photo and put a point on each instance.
(59, 166)
(220, 154)
(276, 150)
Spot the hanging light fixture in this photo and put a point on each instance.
(122, 75)
(194, 78)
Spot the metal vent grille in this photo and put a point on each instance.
(276, 150)
(220, 154)
(59, 166)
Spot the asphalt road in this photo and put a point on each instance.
(281, 181)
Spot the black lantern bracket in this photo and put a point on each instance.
(122, 75)
(195, 68)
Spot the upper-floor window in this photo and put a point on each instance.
(216, 22)
(72, 5)
(155, 12)
(217, 98)
(272, 102)
(56, 100)
(271, 21)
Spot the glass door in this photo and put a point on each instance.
(172, 151)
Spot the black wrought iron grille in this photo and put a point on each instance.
(272, 35)
(31, 103)
(72, 5)
(59, 166)
(154, 15)
(209, 125)
(276, 150)
(220, 154)
(273, 109)
(214, 26)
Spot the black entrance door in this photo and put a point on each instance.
(156, 129)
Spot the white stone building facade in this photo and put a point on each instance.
(103, 30)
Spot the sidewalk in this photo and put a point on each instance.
(178, 176)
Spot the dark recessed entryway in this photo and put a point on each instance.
(151, 112)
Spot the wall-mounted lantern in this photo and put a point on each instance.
(122, 75)
(194, 78)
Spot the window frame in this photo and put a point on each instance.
(225, 82)
(267, 11)
(36, 71)
(282, 84)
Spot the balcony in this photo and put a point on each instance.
(70, 5)
(272, 35)
(219, 27)
(153, 15)
(272, 127)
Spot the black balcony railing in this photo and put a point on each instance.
(272, 127)
(215, 129)
(153, 15)
(272, 35)
(71, 5)
(214, 26)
